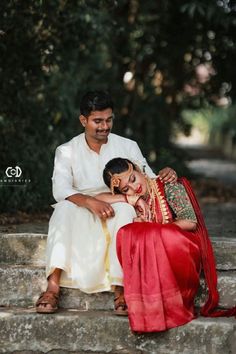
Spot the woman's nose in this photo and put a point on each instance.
(132, 187)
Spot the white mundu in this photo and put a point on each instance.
(80, 243)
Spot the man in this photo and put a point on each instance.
(81, 246)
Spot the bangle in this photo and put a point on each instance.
(132, 199)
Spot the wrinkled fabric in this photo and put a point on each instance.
(161, 265)
(209, 309)
(79, 242)
(84, 247)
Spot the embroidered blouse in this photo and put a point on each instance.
(179, 201)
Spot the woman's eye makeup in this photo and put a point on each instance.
(132, 178)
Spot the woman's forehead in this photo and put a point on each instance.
(124, 180)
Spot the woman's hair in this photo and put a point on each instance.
(116, 165)
(95, 101)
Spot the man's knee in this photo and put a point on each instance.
(124, 209)
(65, 204)
(63, 210)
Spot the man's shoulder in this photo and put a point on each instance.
(120, 139)
(69, 144)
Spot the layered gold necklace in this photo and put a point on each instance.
(155, 196)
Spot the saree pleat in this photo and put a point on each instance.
(161, 267)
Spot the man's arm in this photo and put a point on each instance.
(63, 186)
(111, 198)
(167, 174)
(137, 157)
(62, 179)
(100, 208)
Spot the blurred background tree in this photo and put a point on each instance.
(161, 60)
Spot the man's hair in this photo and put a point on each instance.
(116, 165)
(95, 101)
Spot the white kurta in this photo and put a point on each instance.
(78, 241)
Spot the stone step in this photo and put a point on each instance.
(23, 284)
(26, 248)
(23, 248)
(225, 253)
(24, 331)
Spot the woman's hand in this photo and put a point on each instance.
(142, 210)
(186, 225)
(168, 175)
(138, 219)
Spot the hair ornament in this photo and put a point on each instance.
(116, 178)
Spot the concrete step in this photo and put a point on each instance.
(23, 284)
(29, 248)
(24, 331)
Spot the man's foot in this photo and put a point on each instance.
(47, 302)
(119, 302)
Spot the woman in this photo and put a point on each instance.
(163, 251)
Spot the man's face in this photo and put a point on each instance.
(98, 125)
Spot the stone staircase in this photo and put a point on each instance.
(86, 323)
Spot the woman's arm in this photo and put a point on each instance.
(186, 225)
(181, 206)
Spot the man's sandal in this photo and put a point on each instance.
(47, 298)
(121, 308)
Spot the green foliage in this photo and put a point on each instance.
(212, 120)
(172, 158)
(201, 119)
(51, 52)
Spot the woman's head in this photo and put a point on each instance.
(123, 176)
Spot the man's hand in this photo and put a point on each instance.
(101, 209)
(167, 174)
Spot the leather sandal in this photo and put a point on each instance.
(121, 308)
(47, 298)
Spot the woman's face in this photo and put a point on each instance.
(133, 184)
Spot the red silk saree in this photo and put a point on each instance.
(162, 264)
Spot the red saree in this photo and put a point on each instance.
(161, 265)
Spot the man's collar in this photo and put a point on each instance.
(102, 145)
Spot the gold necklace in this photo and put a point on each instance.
(154, 195)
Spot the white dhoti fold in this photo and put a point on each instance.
(84, 246)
